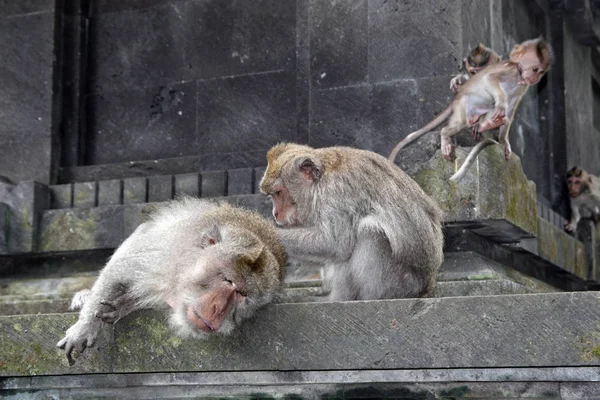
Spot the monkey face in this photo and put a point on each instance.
(533, 58)
(576, 185)
(285, 211)
(221, 289)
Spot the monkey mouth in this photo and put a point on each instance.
(207, 327)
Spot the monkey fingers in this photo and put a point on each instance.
(499, 114)
(476, 132)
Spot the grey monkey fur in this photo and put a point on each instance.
(160, 265)
(370, 225)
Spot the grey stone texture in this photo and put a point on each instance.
(135, 190)
(61, 196)
(512, 330)
(160, 188)
(27, 41)
(85, 194)
(214, 184)
(240, 181)
(187, 184)
(110, 193)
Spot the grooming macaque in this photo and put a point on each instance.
(358, 215)
(211, 266)
(480, 57)
(584, 197)
(489, 99)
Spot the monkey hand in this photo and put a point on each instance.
(79, 337)
(455, 83)
(570, 227)
(499, 114)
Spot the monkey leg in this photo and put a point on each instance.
(453, 127)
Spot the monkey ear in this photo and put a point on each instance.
(210, 237)
(516, 52)
(310, 169)
(252, 254)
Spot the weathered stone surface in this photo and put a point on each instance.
(160, 188)
(108, 226)
(85, 194)
(166, 166)
(494, 196)
(165, 116)
(61, 196)
(81, 229)
(561, 249)
(338, 43)
(251, 112)
(240, 181)
(135, 190)
(109, 192)
(26, 99)
(479, 288)
(258, 175)
(214, 184)
(9, 7)
(513, 330)
(25, 201)
(187, 184)
(397, 31)
(196, 40)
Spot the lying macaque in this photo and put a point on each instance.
(584, 197)
(209, 266)
(489, 99)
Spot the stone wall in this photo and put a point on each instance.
(179, 86)
(26, 96)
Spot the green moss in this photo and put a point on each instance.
(69, 232)
(589, 346)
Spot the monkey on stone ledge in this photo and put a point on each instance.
(209, 266)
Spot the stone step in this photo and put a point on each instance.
(511, 331)
(573, 383)
(233, 182)
(49, 290)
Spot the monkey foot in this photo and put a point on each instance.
(476, 132)
(570, 227)
(507, 153)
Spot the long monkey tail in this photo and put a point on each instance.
(417, 134)
(471, 159)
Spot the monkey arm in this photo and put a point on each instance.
(495, 90)
(311, 244)
(457, 81)
(105, 303)
(575, 217)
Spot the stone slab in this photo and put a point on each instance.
(108, 226)
(338, 43)
(160, 188)
(135, 190)
(61, 196)
(187, 184)
(110, 192)
(214, 184)
(537, 330)
(240, 181)
(494, 199)
(85, 194)
(561, 249)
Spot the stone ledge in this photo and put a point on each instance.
(494, 199)
(107, 226)
(535, 330)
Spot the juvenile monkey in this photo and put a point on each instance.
(209, 266)
(584, 196)
(480, 57)
(489, 99)
(358, 215)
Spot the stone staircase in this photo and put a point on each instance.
(513, 315)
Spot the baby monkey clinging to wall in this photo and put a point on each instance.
(211, 266)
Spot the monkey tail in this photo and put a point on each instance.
(417, 134)
(471, 159)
